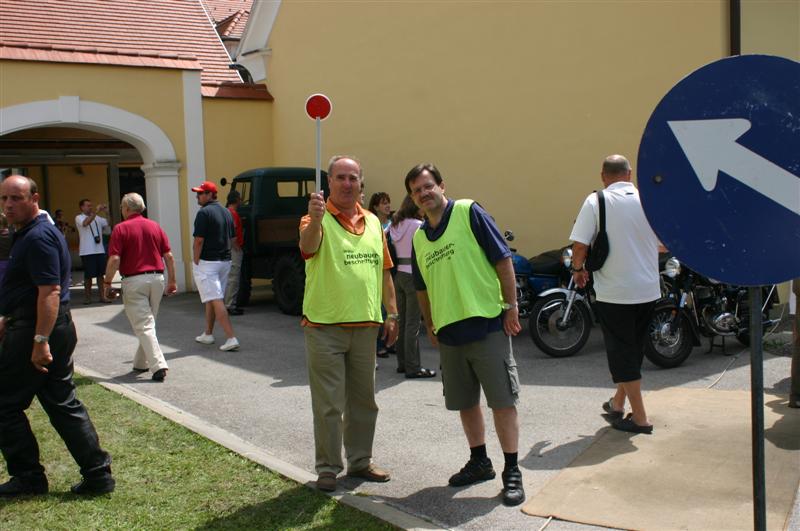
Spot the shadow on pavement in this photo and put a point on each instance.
(295, 508)
(273, 345)
(449, 506)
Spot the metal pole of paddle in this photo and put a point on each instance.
(319, 156)
(757, 410)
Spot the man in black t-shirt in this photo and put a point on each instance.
(38, 337)
(213, 231)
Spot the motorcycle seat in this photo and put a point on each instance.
(547, 263)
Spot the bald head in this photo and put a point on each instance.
(616, 168)
(20, 198)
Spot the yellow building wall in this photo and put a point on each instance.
(152, 93)
(517, 103)
(771, 27)
(238, 136)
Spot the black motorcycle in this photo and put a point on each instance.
(534, 275)
(561, 318)
(694, 306)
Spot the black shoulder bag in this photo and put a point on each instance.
(598, 251)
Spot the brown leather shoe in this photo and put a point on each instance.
(326, 481)
(371, 473)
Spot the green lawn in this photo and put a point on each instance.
(167, 478)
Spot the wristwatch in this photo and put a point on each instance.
(40, 338)
(508, 305)
(578, 269)
(394, 316)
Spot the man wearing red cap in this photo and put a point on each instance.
(211, 257)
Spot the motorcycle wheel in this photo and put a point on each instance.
(552, 339)
(668, 341)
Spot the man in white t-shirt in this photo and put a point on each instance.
(627, 286)
(91, 228)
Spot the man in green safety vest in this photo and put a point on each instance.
(347, 277)
(465, 284)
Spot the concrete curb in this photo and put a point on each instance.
(368, 504)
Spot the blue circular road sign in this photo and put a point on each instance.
(719, 170)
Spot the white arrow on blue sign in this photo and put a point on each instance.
(719, 170)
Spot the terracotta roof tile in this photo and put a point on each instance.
(244, 91)
(142, 31)
(233, 26)
(219, 10)
(67, 54)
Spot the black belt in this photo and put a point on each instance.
(25, 316)
(160, 272)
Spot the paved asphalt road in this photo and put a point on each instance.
(260, 394)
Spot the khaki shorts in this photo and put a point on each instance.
(489, 364)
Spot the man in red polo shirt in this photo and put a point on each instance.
(140, 249)
(237, 255)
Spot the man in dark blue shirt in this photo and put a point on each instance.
(38, 338)
(467, 293)
(211, 257)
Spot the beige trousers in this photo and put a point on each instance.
(341, 376)
(232, 289)
(141, 295)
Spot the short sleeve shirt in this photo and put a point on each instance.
(488, 237)
(630, 273)
(87, 234)
(39, 257)
(214, 224)
(140, 243)
(356, 228)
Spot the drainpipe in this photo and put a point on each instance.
(735, 9)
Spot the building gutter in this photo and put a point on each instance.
(735, 17)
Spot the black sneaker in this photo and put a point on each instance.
(513, 493)
(473, 472)
(17, 486)
(94, 486)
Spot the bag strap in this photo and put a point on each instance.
(92, 224)
(601, 201)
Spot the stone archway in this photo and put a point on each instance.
(160, 164)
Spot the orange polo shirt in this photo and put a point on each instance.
(357, 227)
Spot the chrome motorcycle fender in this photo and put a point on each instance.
(669, 303)
(566, 292)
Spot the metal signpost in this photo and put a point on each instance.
(719, 178)
(318, 108)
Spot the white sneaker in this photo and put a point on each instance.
(206, 339)
(231, 344)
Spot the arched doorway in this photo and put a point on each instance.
(156, 155)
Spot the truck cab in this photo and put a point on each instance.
(273, 201)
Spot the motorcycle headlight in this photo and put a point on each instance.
(566, 257)
(672, 268)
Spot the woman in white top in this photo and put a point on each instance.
(405, 223)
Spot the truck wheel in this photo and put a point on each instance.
(289, 283)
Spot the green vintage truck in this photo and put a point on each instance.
(273, 201)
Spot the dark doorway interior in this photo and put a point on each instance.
(132, 180)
